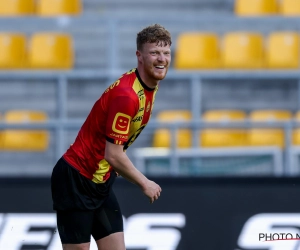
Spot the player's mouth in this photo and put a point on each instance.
(160, 67)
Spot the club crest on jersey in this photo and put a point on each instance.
(148, 107)
(121, 123)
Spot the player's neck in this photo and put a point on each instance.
(148, 81)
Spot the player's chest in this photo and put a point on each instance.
(144, 112)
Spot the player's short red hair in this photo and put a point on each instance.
(153, 34)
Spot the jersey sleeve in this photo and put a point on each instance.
(120, 113)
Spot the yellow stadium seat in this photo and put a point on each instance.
(296, 131)
(51, 50)
(223, 137)
(268, 136)
(242, 50)
(1, 136)
(197, 51)
(12, 50)
(290, 7)
(162, 137)
(25, 140)
(58, 7)
(16, 7)
(283, 50)
(256, 7)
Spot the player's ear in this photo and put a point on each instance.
(138, 55)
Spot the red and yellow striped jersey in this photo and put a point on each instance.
(118, 116)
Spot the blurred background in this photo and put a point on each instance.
(227, 112)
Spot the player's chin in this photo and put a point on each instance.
(160, 76)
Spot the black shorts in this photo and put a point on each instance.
(76, 227)
(83, 207)
(73, 191)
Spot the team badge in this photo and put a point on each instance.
(121, 123)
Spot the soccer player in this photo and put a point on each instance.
(82, 179)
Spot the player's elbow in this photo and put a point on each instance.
(111, 158)
(113, 154)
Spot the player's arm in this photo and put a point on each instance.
(118, 159)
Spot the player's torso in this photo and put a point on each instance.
(100, 126)
(146, 98)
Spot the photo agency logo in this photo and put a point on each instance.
(277, 236)
(271, 232)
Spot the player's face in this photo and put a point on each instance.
(154, 60)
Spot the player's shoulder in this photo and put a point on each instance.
(126, 82)
(124, 85)
(128, 77)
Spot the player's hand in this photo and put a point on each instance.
(152, 191)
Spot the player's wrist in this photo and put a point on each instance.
(143, 184)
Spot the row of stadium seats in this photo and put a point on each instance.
(41, 50)
(38, 140)
(40, 7)
(74, 7)
(237, 50)
(24, 140)
(267, 7)
(227, 137)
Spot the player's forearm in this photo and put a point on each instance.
(122, 164)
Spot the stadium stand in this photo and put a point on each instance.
(256, 7)
(197, 51)
(242, 50)
(268, 136)
(216, 137)
(1, 137)
(296, 131)
(13, 50)
(25, 140)
(103, 40)
(289, 8)
(162, 137)
(47, 8)
(17, 7)
(51, 51)
(283, 50)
